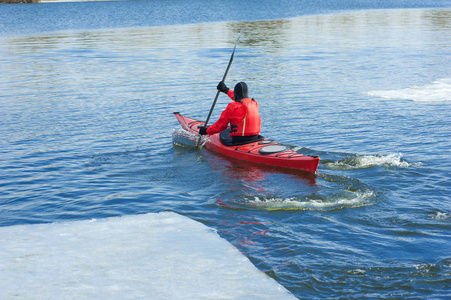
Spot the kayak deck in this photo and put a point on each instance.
(266, 151)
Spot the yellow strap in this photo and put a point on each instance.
(244, 124)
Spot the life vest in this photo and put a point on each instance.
(251, 123)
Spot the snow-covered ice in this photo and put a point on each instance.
(151, 256)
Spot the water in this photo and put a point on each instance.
(86, 131)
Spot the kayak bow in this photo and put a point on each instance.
(264, 151)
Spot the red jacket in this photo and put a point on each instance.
(243, 117)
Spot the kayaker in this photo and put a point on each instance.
(242, 115)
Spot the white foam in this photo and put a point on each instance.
(394, 160)
(153, 256)
(183, 138)
(440, 216)
(367, 161)
(437, 91)
(355, 199)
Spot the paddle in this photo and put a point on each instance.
(217, 94)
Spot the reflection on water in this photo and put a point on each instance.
(250, 172)
(295, 52)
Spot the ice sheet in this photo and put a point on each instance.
(152, 256)
(437, 91)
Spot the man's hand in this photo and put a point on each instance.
(222, 87)
(202, 130)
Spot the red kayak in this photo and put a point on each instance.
(263, 151)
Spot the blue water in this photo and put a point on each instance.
(86, 130)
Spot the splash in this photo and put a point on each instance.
(183, 138)
(437, 91)
(368, 161)
(319, 203)
(430, 269)
(440, 216)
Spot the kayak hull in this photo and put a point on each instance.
(266, 151)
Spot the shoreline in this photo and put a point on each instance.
(18, 1)
(45, 1)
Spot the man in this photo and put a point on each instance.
(242, 115)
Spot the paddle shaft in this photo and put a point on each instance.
(223, 79)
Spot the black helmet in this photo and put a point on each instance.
(240, 91)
